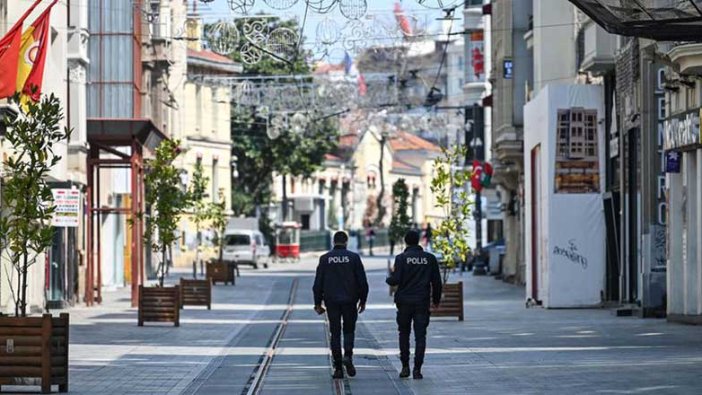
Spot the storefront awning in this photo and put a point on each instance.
(122, 132)
(672, 20)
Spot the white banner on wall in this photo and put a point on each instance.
(476, 57)
(564, 157)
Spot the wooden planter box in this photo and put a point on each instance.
(220, 272)
(159, 304)
(34, 351)
(451, 302)
(196, 293)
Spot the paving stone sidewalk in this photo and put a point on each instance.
(504, 348)
(501, 348)
(110, 354)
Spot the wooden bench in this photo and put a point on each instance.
(158, 304)
(451, 302)
(34, 351)
(196, 293)
(220, 272)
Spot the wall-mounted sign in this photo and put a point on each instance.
(67, 203)
(683, 131)
(672, 162)
(507, 69)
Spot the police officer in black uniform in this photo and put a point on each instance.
(416, 274)
(342, 285)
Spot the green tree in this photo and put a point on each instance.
(27, 200)
(291, 154)
(166, 199)
(400, 222)
(198, 205)
(219, 220)
(452, 233)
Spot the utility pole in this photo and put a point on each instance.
(474, 139)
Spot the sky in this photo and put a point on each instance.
(219, 9)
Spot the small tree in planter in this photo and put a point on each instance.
(166, 199)
(26, 196)
(400, 222)
(219, 270)
(26, 231)
(200, 208)
(448, 187)
(219, 219)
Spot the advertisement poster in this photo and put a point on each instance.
(67, 203)
(577, 161)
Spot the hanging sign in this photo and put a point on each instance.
(67, 203)
(682, 131)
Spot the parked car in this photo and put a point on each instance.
(246, 247)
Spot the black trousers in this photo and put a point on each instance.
(349, 314)
(407, 315)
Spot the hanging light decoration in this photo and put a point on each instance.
(280, 4)
(272, 131)
(328, 32)
(282, 42)
(241, 6)
(321, 6)
(222, 37)
(353, 9)
(298, 123)
(438, 4)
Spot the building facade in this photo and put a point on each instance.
(511, 77)
(55, 279)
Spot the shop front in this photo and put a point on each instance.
(684, 188)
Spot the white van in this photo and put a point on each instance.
(246, 247)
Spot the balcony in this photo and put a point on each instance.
(599, 49)
(689, 57)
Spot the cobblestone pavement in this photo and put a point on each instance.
(501, 347)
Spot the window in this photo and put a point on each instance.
(237, 240)
(215, 108)
(305, 221)
(215, 180)
(198, 108)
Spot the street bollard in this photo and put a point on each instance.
(195, 269)
(202, 268)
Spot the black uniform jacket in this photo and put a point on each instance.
(416, 275)
(340, 278)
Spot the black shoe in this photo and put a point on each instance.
(338, 373)
(404, 373)
(350, 369)
(416, 374)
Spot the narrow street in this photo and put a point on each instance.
(500, 348)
